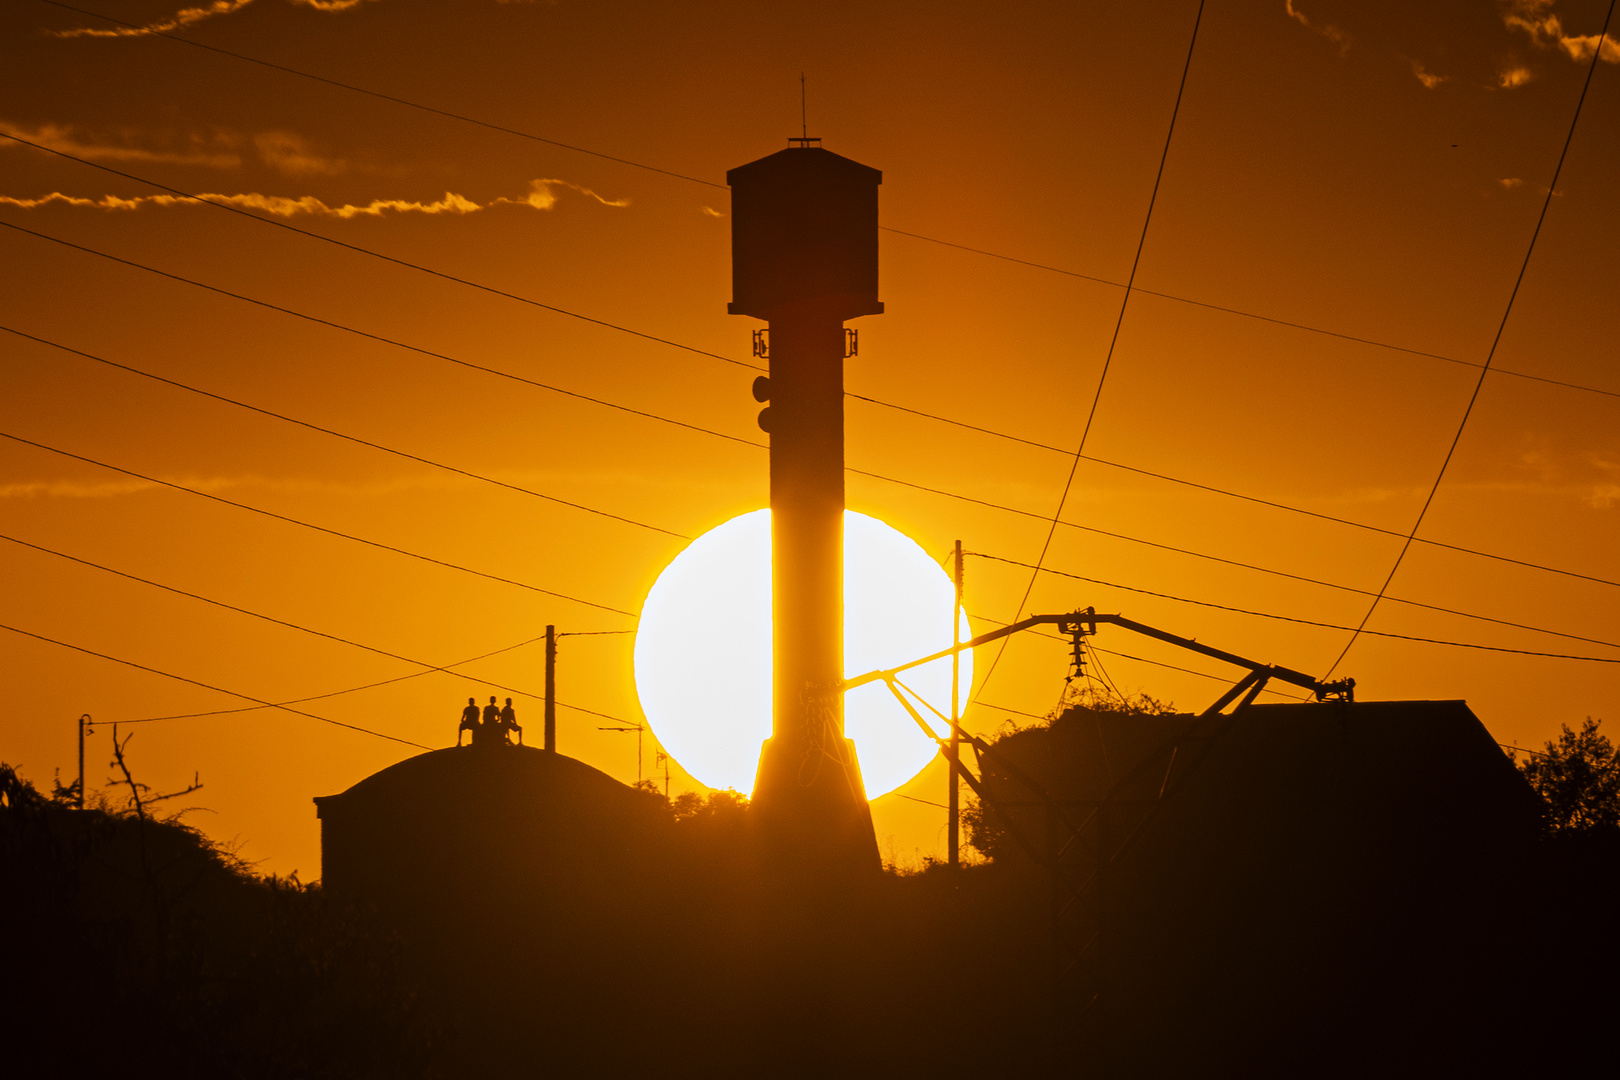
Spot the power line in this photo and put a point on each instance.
(384, 97)
(887, 479)
(428, 669)
(340, 693)
(1292, 619)
(1212, 489)
(914, 798)
(1491, 355)
(1108, 358)
(210, 686)
(702, 352)
(898, 232)
(1253, 315)
(380, 338)
(311, 525)
(892, 480)
(598, 401)
(347, 438)
(266, 618)
(1235, 562)
(997, 506)
(379, 255)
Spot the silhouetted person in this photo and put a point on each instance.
(492, 722)
(469, 721)
(509, 722)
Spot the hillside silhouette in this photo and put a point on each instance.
(1320, 890)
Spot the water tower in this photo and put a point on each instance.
(804, 259)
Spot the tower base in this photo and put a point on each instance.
(810, 808)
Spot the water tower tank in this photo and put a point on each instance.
(804, 227)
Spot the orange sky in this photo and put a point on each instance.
(1355, 168)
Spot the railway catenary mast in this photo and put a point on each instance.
(804, 237)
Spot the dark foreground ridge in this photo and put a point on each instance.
(1323, 890)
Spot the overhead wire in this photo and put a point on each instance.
(531, 136)
(310, 525)
(381, 96)
(372, 252)
(892, 480)
(1290, 618)
(1496, 341)
(340, 693)
(1232, 562)
(1212, 489)
(460, 117)
(345, 436)
(211, 686)
(1108, 358)
(693, 349)
(1224, 309)
(381, 338)
(429, 668)
(1087, 528)
(687, 348)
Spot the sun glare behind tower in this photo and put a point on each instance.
(804, 258)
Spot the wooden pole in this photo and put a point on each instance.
(551, 689)
(953, 797)
(84, 722)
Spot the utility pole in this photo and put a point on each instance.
(84, 729)
(953, 798)
(551, 689)
(663, 759)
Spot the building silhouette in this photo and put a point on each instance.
(484, 831)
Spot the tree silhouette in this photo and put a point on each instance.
(1578, 778)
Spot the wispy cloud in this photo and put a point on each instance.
(180, 19)
(541, 190)
(1328, 30)
(540, 197)
(712, 212)
(216, 150)
(285, 151)
(1591, 473)
(290, 153)
(279, 205)
(1546, 30)
(191, 16)
(1511, 182)
(1428, 78)
(1514, 76)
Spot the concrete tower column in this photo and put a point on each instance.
(804, 258)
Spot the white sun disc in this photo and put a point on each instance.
(703, 650)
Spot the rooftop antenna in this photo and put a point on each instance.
(640, 729)
(803, 139)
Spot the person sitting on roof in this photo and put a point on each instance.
(469, 721)
(509, 722)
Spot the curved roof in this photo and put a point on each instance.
(465, 773)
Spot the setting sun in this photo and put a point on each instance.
(703, 650)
